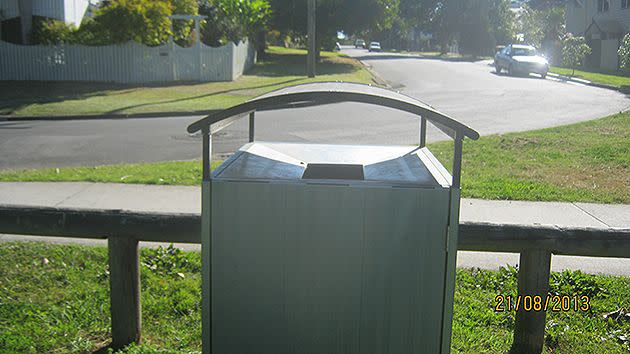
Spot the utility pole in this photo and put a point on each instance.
(310, 62)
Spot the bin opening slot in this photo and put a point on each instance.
(333, 171)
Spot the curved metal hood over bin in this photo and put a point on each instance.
(311, 248)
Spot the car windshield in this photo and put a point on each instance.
(524, 52)
(375, 43)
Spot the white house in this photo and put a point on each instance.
(603, 23)
(22, 11)
(69, 11)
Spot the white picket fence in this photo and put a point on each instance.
(126, 63)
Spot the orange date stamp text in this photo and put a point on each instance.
(537, 303)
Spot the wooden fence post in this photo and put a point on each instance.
(124, 281)
(533, 280)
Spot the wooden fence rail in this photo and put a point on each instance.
(124, 230)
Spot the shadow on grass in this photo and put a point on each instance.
(104, 350)
(122, 109)
(17, 95)
(276, 65)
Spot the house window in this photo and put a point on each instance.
(625, 4)
(603, 5)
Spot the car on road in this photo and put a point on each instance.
(521, 59)
(374, 47)
(359, 43)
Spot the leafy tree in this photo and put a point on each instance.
(574, 49)
(546, 23)
(417, 13)
(624, 52)
(478, 24)
(530, 26)
(182, 29)
(474, 29)
(413, 15)
(502, 21)
(367, 17)
(143, 21)
(545, 4)
(234, 20)
(554, 24)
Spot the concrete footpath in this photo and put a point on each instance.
(183, 199)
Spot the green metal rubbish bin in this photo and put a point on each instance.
(312, 248)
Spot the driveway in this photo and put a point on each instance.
(469, 92)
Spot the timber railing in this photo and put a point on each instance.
(124, 229)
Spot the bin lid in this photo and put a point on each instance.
(334, 164)
(321, 93)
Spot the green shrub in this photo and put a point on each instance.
(170, 260)
(624, 52)
(50, 32)
(574, 49)
(575, 282)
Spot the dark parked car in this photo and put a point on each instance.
(359, 43)
(524, 59)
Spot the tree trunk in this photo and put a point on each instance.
(260, 44)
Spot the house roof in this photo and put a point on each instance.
(605, 26)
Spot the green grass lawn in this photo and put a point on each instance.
(612, 78)
(587, 162)
(281, 67)
(55, 298)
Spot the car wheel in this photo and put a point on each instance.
(497, 69)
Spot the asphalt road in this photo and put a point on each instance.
(469, 92)
(474, 94)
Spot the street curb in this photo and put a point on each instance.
(376, 77)
(584, 82)
(110, 116)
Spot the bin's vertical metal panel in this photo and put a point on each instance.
(248, 253)
(323, 285)
(403, 270)
(206, 243)
(206, 276)
(451, 267)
